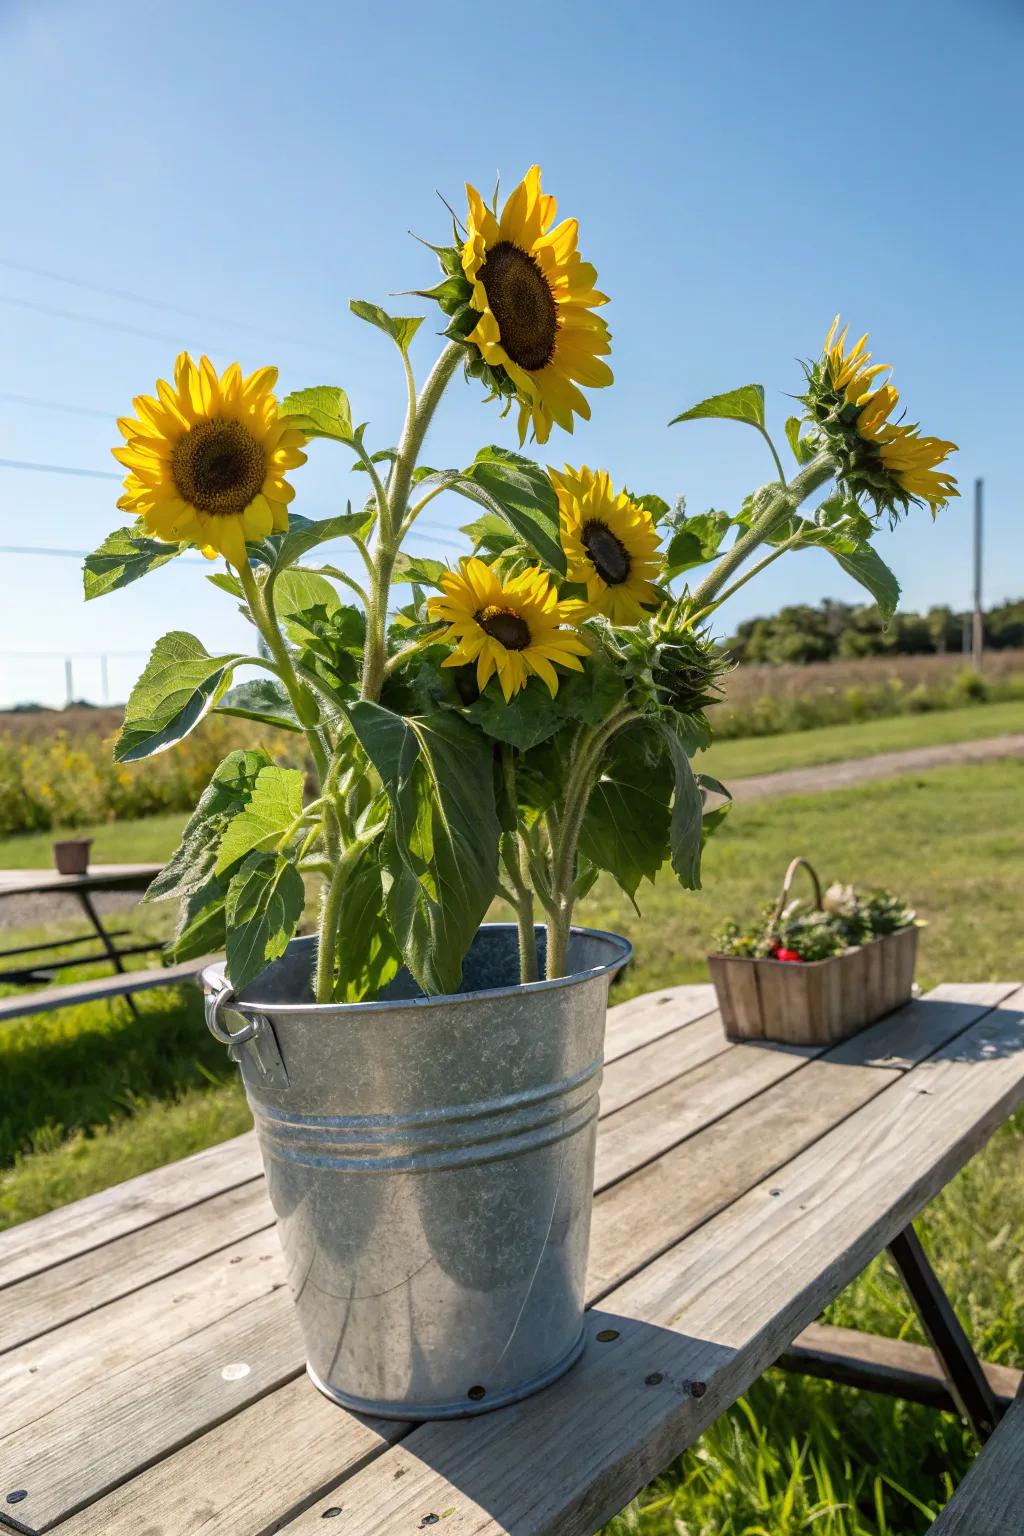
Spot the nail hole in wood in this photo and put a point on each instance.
(654, 1379)
(607, 1335)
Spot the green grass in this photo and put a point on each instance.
(150, 840)
(93, 1097)
(835, 743)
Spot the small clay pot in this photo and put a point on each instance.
(71, 856)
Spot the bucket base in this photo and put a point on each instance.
(464, 1409)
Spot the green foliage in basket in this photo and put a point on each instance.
(802, 932)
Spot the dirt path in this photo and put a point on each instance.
(886, 765)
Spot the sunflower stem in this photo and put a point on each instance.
(514, 858)
(782, 504)
(582, 777)
(330, 917)
(385, 550)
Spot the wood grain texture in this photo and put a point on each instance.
(645, 1018)
(93, 1279)
(73, 1229)
(648, 1066)
(990, 1500)
(695, 1327)
(267, 1462)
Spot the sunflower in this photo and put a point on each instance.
(610, 544)
(521, 295)
(206, 459)
(512, 628)
(875, 456)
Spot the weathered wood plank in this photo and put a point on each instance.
(631, 1076)
(643, 1215)
(57, 1296)
(893, 1367)
(643, 1019)
(201, 1380)
(47, 1240)
(646, 1128)
(50, 1372)
(100, 987)
(989, 1501)
(265, 1463)
(694, 1328)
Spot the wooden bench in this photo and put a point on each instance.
(98, 988)
(990, 1500)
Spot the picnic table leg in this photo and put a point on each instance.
(967, 1381)
(106, 941)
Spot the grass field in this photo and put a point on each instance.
(92, 1097)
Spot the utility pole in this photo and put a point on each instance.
(69, 681)
(978, 633)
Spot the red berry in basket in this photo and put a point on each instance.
(785, 954)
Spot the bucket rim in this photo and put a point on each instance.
(213, 979)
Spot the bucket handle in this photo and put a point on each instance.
(216, 1002)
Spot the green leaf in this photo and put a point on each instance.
(803, 448)
(322, 411)
(264, 904)
(626, 827)
(492, 534)
(304, 535)
(124, 556)
(743, 404)
(419, 568)
(685, 828)
(368, 956)
(274, 806)
(866, 565)
(180, 683)
(696, 540)
(401, 329)
(295, 592)
(532, 715)
(191, 864)
(262, 699)
(713, 816)
(201, 927)
(227, 583)
(520, 492)
(655, 505)
(439, 852)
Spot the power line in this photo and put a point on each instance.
(160, 304)
(60, 469)
(104, 325)
(56, 405)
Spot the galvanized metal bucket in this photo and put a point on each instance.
(430, 1161)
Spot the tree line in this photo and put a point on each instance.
(834, 631)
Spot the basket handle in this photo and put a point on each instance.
(794, 865)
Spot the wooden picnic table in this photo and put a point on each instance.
(47, 882)
(152, 1372)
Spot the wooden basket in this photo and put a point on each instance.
(814, 1002)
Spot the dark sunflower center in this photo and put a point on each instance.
(218, 466)
(522, 303)
(608, 554)
(509, 628)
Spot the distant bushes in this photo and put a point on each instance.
(831, 631)
(69, 778)
(745, 712)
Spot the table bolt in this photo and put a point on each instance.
(653, 1379)
(698, 1388)
(607, 1335)
(329, 1514)
(17, 1495)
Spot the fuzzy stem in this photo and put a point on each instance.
(385, 549)
(330, 917)
(783, 504)
(582, 778)
(514, 858)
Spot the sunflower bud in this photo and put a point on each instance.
(673, 667)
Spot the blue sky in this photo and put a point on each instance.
(740, 172)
